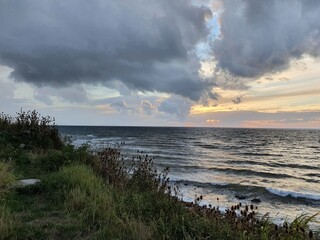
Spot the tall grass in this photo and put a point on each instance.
(86, 196)
(6, 222)
(7, 178)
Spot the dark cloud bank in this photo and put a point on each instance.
(260, 37)
(148, 44)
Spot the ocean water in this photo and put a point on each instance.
(280, 167)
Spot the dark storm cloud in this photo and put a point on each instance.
(145, 44)
(259, 37)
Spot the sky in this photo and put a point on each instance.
(189, 63)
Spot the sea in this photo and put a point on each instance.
(278, 167)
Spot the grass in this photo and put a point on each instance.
(6, 181)
(6, 222)
(85, 195)
(7, 178)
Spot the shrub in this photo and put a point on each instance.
(139, 175)
(30, 129)
(145, 176)
(111, 167)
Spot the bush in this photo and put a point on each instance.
(146, 178)
(139, 175)
(30, 129)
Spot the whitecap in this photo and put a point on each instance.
(287, 193)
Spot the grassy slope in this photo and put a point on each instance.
(88, 196)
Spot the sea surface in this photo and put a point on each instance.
(280, 167)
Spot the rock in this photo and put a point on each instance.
(27, 182)
(256, 200)
(240, 197)
(22, 145)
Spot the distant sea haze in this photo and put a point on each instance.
(279, 167)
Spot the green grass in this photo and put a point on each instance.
(7, 178)
(6, 222)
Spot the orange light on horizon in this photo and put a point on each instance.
(283, 123)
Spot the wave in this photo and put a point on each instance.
(261, 154)
(91, 136)
(200, 184)
(287, 193)
(313, 175)
(314, 147)
(246, 171)
(253, 191)
(209, 146)
(288, 165)
(239, 171)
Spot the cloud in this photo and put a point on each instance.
(263, 37)
(74, 94)
(212, 121)
(176, 105)
(237, 100)
(7, 88)
(120, 105)
(145, 44)
(147, 107)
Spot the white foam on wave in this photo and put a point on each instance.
(79, 142)
(91, 136)
(287, 193)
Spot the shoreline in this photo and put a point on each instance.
(278, 216)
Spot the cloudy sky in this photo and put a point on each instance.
(232, 63)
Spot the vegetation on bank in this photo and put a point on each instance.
(86, 195)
